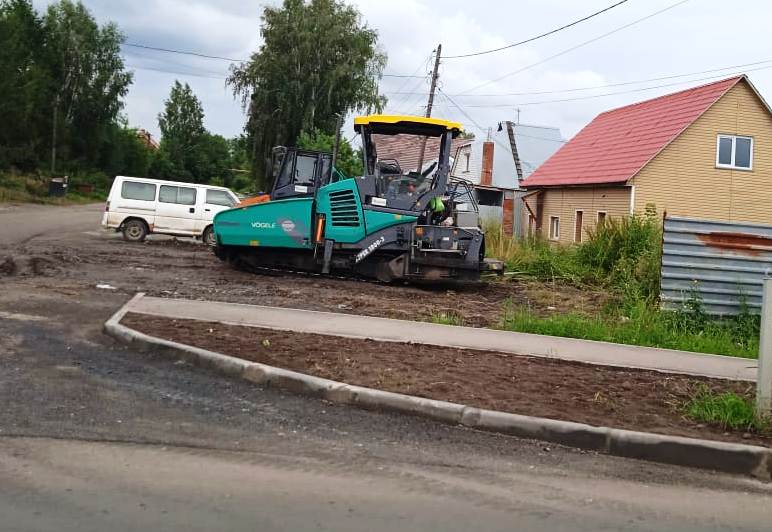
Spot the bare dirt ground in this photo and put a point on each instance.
(621, 398)
(186, 269)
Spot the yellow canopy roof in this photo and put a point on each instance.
(408, 121)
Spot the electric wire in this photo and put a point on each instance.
(571, 49)
(485, 130)
(218, 57)
(630, 91)
(609, 85)
(537, 37)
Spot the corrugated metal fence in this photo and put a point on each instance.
(724, 262)
(519, 230)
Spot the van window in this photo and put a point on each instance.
(219, 197)
(181, 195)
(138, 191)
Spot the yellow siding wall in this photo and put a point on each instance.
(564, 202)
(684, 181)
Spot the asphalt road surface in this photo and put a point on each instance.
(95, 436)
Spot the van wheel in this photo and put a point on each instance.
(135, 231)
(208, 236)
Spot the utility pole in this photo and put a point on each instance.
(430, 103)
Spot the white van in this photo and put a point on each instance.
(137, 207)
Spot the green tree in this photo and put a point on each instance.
(318, 59)
(348, 161)
(163, 168)
(125, 153)
(241, 163)
(213, 163)
(88, 79)
(240, 155)
(24, 86)
(182, 132)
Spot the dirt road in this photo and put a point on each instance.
(18, 223)
(95, 436)
(47, 246)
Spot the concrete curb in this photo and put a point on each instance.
(704, 454)
(381, 329)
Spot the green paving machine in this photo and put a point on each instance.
(389, 224)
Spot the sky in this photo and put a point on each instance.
(549, 77)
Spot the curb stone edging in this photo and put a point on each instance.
(726, 457)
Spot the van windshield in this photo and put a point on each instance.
(219, 197)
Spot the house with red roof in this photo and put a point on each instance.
(705, 152)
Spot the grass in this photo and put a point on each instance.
(28, 188)
(646, 327)
(728, 410)
(622, 257)
(447, 318)
(623, 254)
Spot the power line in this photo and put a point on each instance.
(425, 65)
(580, 45)
(484, 130)
(183, 52)
(406, 101)
(400, 76)
(619, 84)
(531, 39)
(592, 96)
(178, 72)
(219, 57)
(472, 120)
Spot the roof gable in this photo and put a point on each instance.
(618, 143)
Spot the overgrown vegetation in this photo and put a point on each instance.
(448, 318)
(33, 188)
(728, 410)
(623, 253)
(643, 324)
(622, 257)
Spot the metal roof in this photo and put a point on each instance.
(617, 144)
(534, 145)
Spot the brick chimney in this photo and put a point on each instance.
(486, 174)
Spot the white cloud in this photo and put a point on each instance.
(699, 35)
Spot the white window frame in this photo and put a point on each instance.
(466, 162)
(597, 217)
(556, 235)
(733, 138)
(576, 225)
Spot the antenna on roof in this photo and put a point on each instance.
(490, 134)
(517, 110)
